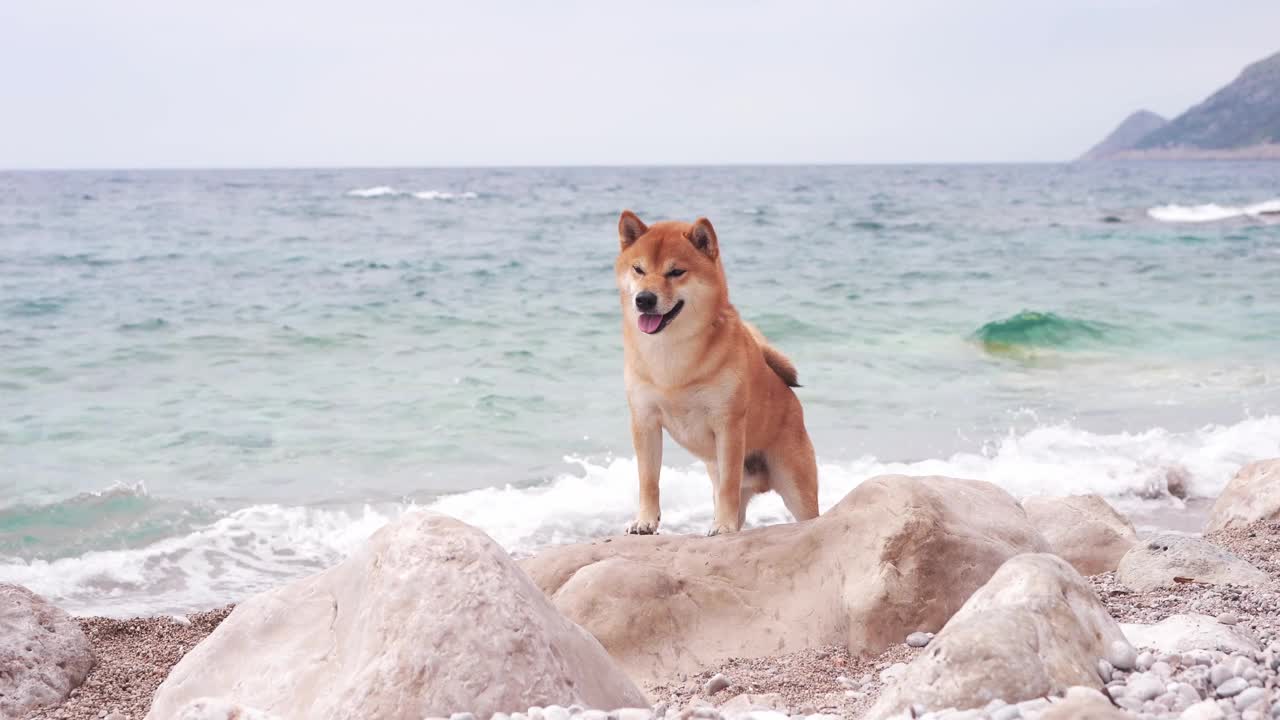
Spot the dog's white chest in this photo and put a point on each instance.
(689, 418)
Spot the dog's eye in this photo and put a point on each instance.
(675, 273)
(637, 269)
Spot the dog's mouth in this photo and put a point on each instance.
(652, 323)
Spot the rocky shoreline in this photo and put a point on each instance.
(913, 597)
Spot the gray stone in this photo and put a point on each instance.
(1157, 561)
(1249, 697)
(1191, 634)
(1203, 710)
(555, 712)
(919, 639)
(1219, 674)
(1145, 660)
(594, 715)
(1228, 618)
(462, 716)
(717, 683)
(500, 716)
(633, 714)
(1121, 655)
(1104, 670)
(1162, 669)
(1145, 686)
(1232, 687)
(43, 653)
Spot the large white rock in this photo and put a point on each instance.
(428, 618)
(44, 654)
(1181, 633)
(1252, 495)
(1084, 530)
(1035, 629)
(220, 709)
(1158, 561)
(898, 554)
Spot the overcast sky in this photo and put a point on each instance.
(164, 83)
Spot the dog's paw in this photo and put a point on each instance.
(643, 527)
(721, 530)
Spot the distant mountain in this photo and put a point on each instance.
(1125, 137)
(1240, 121)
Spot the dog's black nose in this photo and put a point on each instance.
(646, 301)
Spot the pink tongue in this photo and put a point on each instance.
(649, 322)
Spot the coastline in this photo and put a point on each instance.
(135, 655)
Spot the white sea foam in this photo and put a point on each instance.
(1211, 212)
(373, 192)
(382, 191)
(258, 547)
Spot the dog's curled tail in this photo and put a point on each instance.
(779, 363)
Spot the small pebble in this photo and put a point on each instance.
(1249, 697)
(1219, 674)
(717, 683)
(1104, 670)
(1145, 660)
(462, 716)
(1203, 710)
(919, 639)
(1228, 618)
(1121, 655)
(553, 712)
(1162, 669)
(1232, 687)
(1146, 686)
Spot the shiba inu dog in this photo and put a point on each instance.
(712, 381)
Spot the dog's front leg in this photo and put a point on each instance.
(731, 448)
(646, 436)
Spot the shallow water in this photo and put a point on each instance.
(213, 380)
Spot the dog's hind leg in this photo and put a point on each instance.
(793, 474)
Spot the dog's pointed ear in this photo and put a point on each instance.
(630, 228)
(703, 237)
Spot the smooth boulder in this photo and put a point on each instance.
(1035, 629)
(898, 554)
(220, 709)
(1182, 633)
(429, 617)
(1084, 530)
(1168, 559)
(1253, 495)
(44, 654)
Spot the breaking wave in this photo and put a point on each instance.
(383, 191)
(258, 547)
(1269, 210)
(1030, 330)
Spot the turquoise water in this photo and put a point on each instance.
(213, 380)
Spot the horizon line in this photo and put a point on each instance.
(531, 166)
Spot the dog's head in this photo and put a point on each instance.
(668, 271)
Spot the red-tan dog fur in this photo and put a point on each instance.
(712, 381)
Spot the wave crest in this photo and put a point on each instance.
(384, 191)
(1031, 330)
(1211, 212)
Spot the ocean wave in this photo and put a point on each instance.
(258, 547)
(1029, 330)
(382, 191)
(1211, 212)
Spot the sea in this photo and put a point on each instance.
(213, 381)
